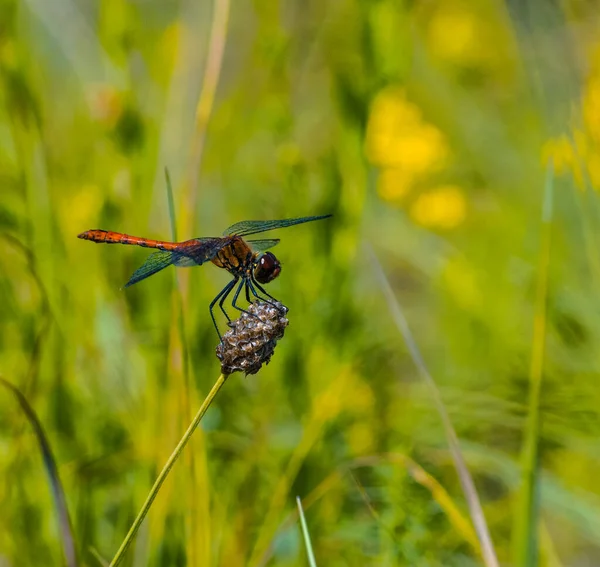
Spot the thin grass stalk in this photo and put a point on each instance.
(212, 73)
(45, 317)
(204, 108)
(180, 352)
(466, 480)
(166, 470)
(171, 204)
(56, 487)
(550, 557)
(312, 429)
(438, 492)
(374, 513)
(527, 520)
(96, 555)
(306, 535)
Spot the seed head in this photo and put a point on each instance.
(252, 338)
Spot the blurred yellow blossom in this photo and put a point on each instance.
(578, 154)
(398, 136)
(393, 184)
(421, 150)
(459, 35)
(409, 149)
(594, 168)
(565, 157)
(444, 207)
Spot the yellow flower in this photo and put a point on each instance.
(444, 207)
(591, 108)
(594, 169)
(565, 157)
(397, 135)
(561, 153)
(420, 151)
(458, 35)
(393, 184)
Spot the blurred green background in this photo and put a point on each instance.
(426, 128)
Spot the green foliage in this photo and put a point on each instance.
(424, 128)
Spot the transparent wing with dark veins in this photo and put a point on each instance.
(189, 253)
(154, 263)
(246, 228)
(263, 245)
(198, 250)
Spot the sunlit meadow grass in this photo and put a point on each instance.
(435, 133)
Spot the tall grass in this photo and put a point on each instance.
(425, 128)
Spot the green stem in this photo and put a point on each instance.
(166, 470)
(527, 524)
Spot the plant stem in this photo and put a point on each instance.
(527, 520)
(466, 479)
(166, 470)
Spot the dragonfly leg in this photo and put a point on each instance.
(235, 298)
(251, 283)
(250, 287)
(224, 295)
(224, 292)
(263, 291)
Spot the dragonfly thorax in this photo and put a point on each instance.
(266, 268)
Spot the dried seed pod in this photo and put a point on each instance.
(252, 338)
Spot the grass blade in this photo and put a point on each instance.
(528, 512)
(455, 516)
(101, 561)
(466, 480)
(210, 81)
(171, 202)
(64, 521)
(306, 535)
(166, 470)
(180, 352)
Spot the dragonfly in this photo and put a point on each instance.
(248, 261)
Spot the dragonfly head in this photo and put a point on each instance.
(267, 268)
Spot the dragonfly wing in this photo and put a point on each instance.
(189, 253)
(245, 228)
(197, 251)
(155, 263)
(263, 245)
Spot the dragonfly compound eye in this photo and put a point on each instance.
(267, 269)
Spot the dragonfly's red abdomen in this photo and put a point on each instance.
(109, 237)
